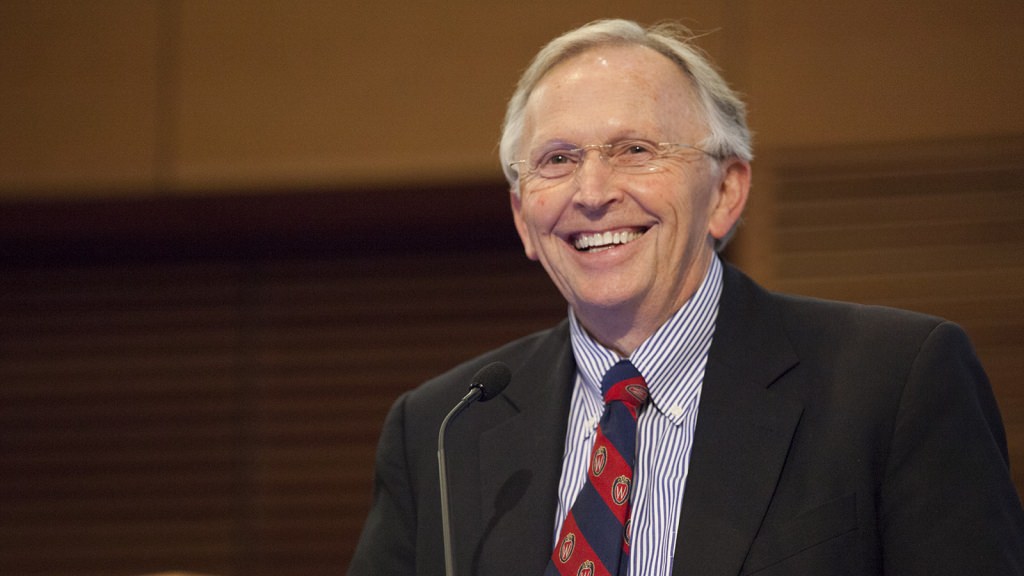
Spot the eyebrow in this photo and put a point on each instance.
(557, 143)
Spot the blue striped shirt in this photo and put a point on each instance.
(672, 362)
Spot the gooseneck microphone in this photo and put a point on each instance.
(486, 384)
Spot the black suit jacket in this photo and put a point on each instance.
(831, 439)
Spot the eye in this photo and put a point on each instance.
(633, 152)
(637, 148)
(555, 158)
(557, 163)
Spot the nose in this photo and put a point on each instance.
(592, 181)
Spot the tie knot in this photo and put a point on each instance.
(623, 382)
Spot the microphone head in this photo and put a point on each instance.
(491, 380)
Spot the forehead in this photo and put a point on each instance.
(616, 88)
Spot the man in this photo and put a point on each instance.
(782, 435)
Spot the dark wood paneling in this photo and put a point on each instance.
(196, 384)
(267, 224)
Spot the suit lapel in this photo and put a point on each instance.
(521, 462)
(743, 433)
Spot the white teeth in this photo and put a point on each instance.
(604, 240)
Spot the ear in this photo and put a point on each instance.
(731, 197)
(521, 227)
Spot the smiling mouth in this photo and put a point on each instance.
(600, 241)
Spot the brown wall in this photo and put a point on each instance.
(232, 232)
(175, 96)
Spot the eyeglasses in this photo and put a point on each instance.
(626, 156)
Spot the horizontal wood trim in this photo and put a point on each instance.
(270, 224)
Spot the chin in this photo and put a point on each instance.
(606, 304)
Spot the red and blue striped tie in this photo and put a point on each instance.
(594, 540)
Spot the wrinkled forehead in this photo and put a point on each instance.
(613, 88)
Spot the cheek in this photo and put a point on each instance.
(683, 215)
(538, 203)
(689, 197)
(670, 200)
(541, 213)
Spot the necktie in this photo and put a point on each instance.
(594, 540)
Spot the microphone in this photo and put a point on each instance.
(487, 383)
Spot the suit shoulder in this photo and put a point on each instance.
(748, 298)
(843, 328)
(827, 325)
(851, 315)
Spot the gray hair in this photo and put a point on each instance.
(723, 111)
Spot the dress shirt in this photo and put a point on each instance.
(672, 362)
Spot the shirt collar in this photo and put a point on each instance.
(671, 360)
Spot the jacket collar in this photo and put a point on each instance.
(742, 436)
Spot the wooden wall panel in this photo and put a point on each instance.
(120, 447)
(129, 98)
(936, 228)
(221, 416)
(80, 95)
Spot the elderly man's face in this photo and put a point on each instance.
(625, 249)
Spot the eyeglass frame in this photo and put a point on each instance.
(659, 151)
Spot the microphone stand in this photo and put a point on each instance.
(487, 383)
(442, 469)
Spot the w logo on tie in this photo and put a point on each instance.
(620, 490)
(638, 391)
(586, 569)
(600, 461)
(568, 545)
